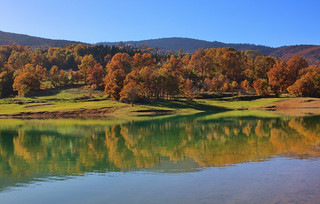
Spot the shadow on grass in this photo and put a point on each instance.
(187, 104)
(54, 91)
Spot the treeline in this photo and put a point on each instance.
(134, 75)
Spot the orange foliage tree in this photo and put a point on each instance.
(245, 85)
(261, 87)
(233, 63)
(26, 83)
(114, 83)
(307, 85)
(294, 65)
(278, 77)
(131, 92)
(96, 75)
(87, 62)
(142, 60)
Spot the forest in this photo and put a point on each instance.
(136, 75)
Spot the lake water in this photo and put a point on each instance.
(195, 159)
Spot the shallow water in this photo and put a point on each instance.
(197, 159)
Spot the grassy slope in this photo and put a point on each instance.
(65, 99)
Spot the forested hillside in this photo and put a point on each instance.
(164, 45)
(135, 75)
(26, 40)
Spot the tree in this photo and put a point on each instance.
(188, 90)
(277, 77)
(294, 65)
(261, 87)
(54, 75)
(41, 73)
(87, 62)
(75, 76)
(131, 92)
(26, 83)
(6, 81)
(245, 85)
(96, 75)
(142, 60)
(114, 82)
(262, 65)
(120, 61)
(148, 81)
(233, 63)
(307, 85)
(63, 78)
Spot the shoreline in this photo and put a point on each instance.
(288, 106)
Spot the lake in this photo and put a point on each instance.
(184, 159)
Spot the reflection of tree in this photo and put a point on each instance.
(27, 152)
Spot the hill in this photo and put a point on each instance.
(190, 45)
(26, 40)
(310, 52)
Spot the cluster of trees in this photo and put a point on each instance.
(130, 75)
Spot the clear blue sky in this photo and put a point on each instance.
(266, 22)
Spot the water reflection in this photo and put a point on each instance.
(31, 149)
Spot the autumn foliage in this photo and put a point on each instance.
(121, 71)
(26, 83)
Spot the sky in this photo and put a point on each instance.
(265, 22)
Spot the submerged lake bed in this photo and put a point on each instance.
(184, 159)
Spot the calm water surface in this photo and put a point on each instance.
(197, 159)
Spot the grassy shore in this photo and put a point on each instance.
(88, 103)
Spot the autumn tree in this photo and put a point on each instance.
(261, 87)
(294, 65)
(75, 76)
(114, 82)
(63, 78)
(41, 73)
(307, 85)
(142, 60)
(87, 62)
(131, 92)
(120, 61)
(117, 68)
(278, 77)
(262, 64)
(54, 75)
(26, 83)
(96, 75)
(149, 81)
(245, 85)
(233, 63)
(6, 81)
(188, 89)
(202, 62)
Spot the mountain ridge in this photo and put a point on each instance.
(310, 52)
(8, 38)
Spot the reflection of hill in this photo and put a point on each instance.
(33, 151)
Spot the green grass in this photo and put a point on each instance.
(70, 99)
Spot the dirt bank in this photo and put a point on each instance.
(99, 112)
(295, 106)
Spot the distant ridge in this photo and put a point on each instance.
(310, 52)
(26, 40)
(190, 45)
